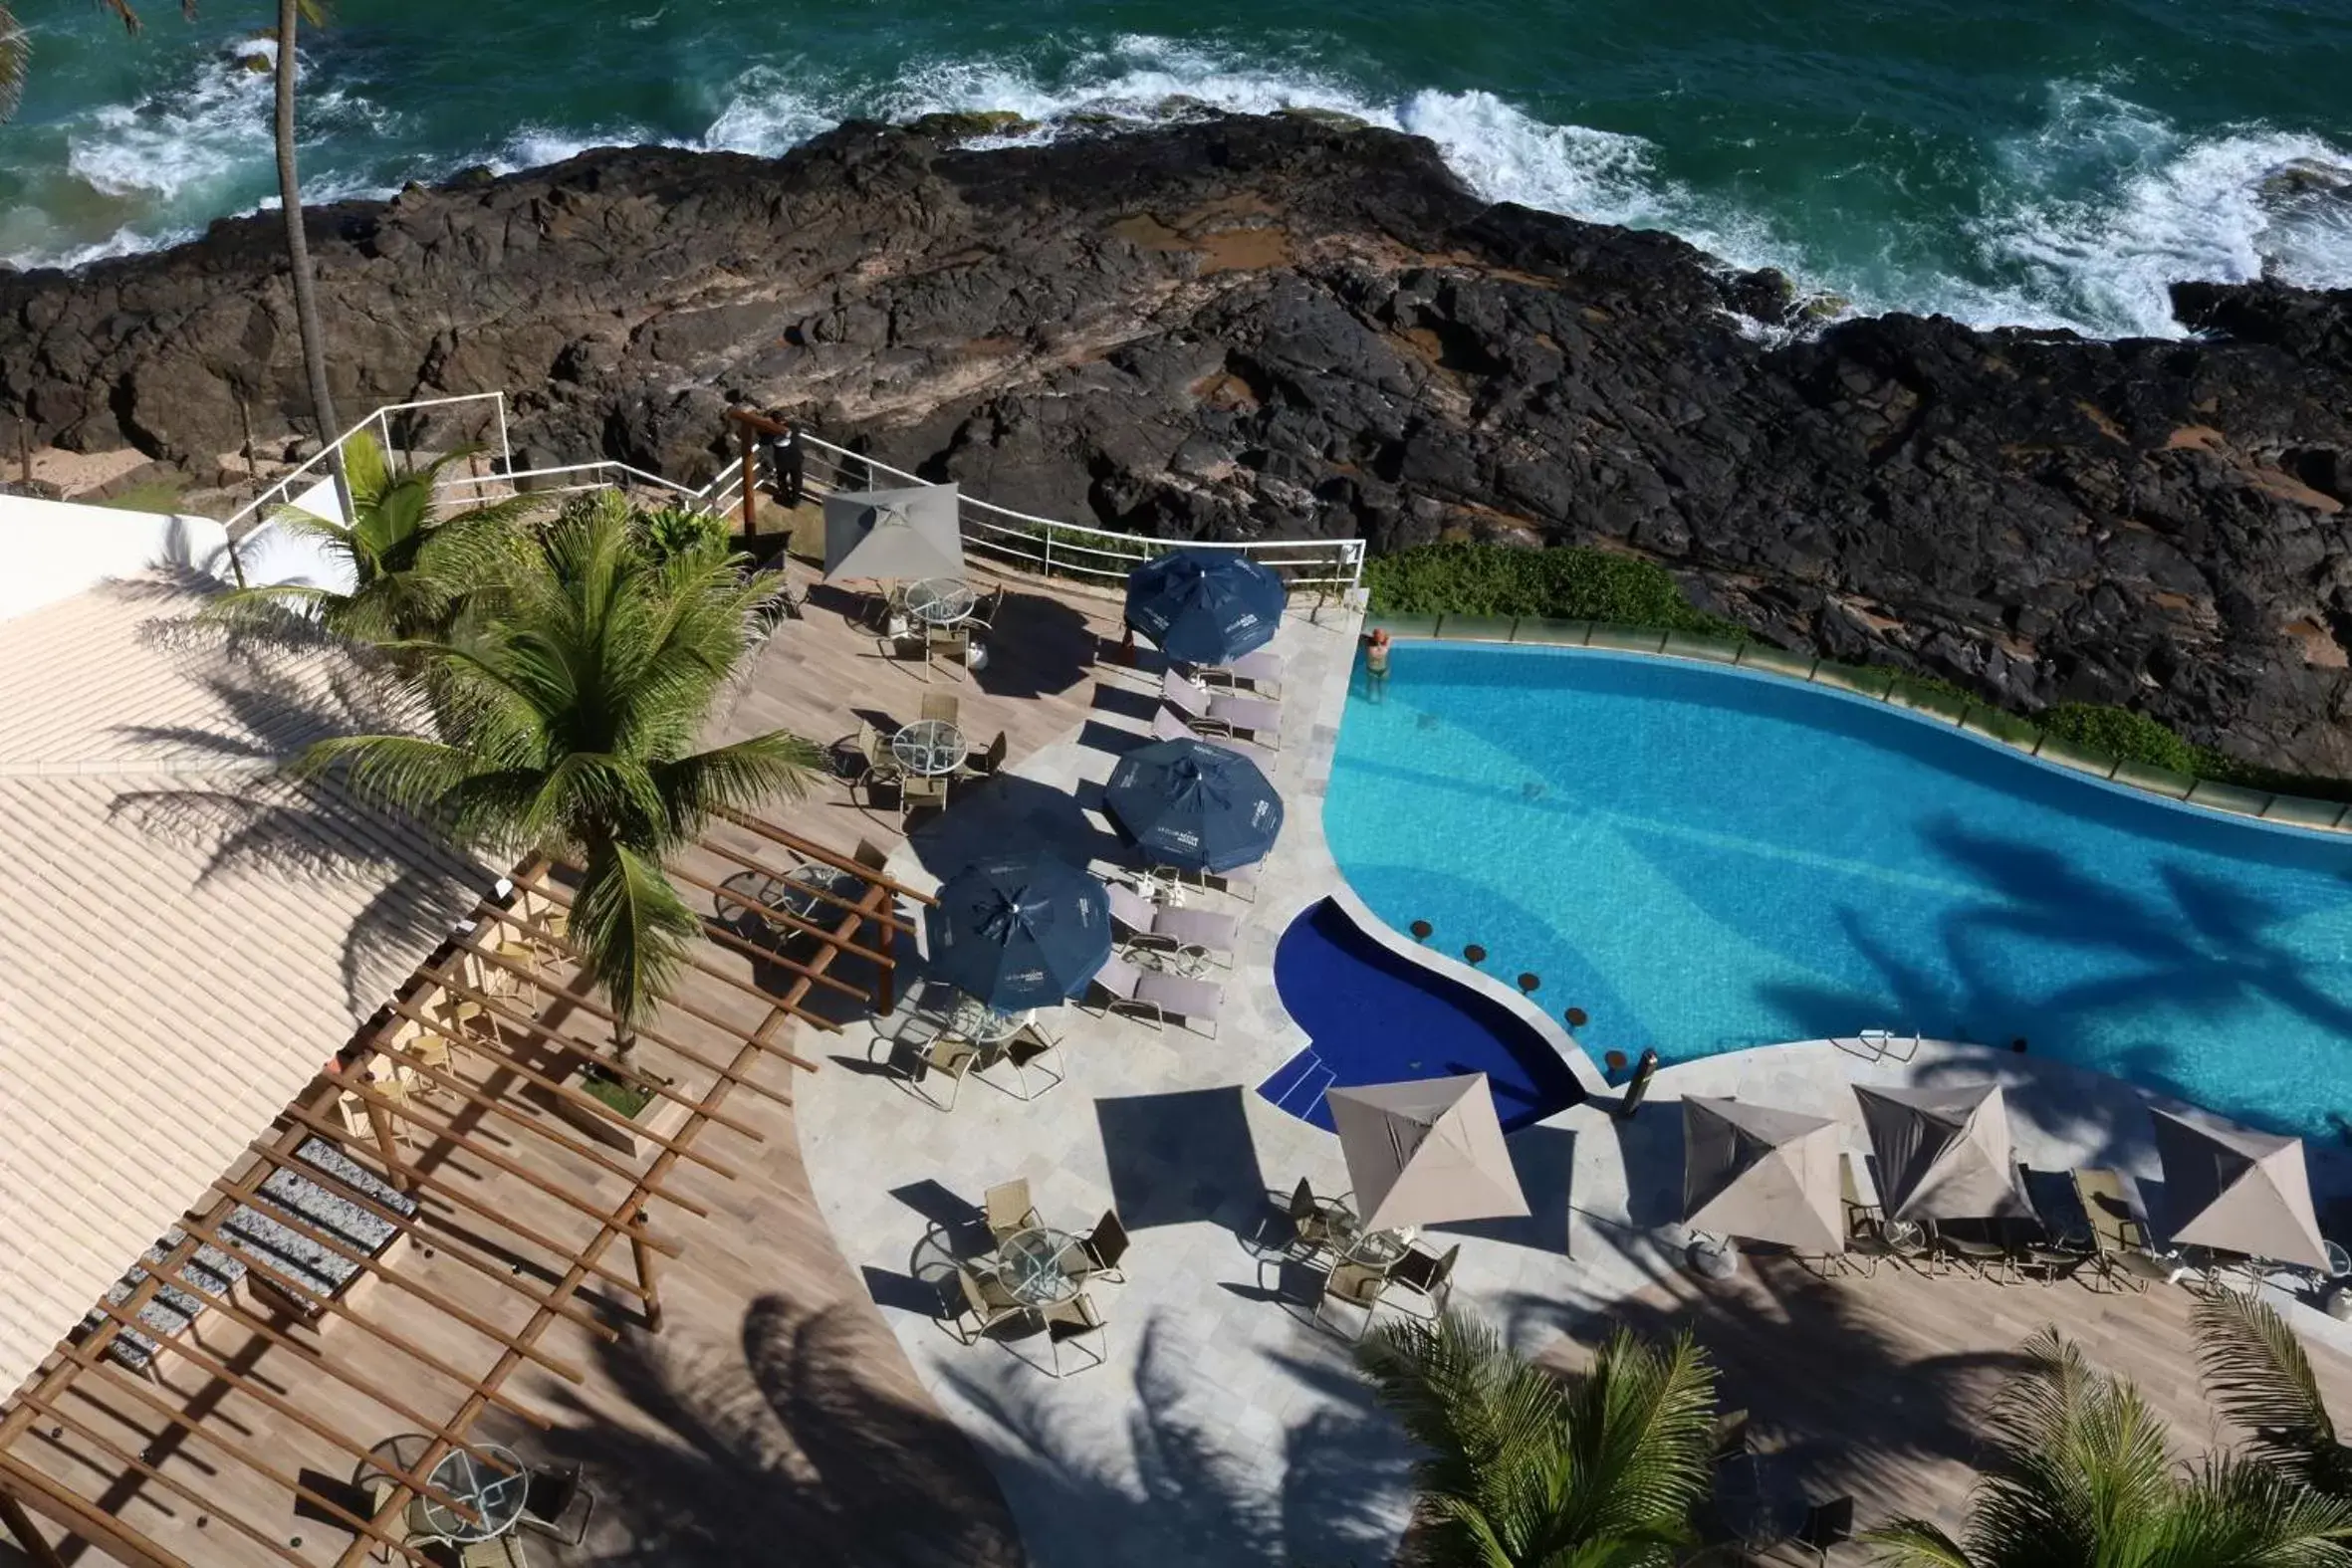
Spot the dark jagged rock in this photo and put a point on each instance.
(1232, 326)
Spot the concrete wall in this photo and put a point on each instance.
(54, 549)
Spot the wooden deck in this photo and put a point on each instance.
(1876, 1387)
(773, 1410)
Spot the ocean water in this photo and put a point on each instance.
(1999, 161)
(1705, 860)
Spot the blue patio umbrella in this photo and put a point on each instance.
(1204, 606)
(1019, 930)
(1196, 807)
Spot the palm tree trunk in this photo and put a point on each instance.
(298, 247)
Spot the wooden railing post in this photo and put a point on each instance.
(751, 478)
(28, 1535)
(648, 1286)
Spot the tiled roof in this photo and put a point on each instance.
(185, 936)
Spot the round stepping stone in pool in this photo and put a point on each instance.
(1423, 930)
(1529, 983)
(1475, 952)
(1577, 1019)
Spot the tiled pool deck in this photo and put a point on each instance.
(1225, 1426)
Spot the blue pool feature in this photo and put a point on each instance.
(1703, 859)
(1378, 1017)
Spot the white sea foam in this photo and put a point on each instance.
(2083, 222)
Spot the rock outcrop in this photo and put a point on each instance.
(1238, 327)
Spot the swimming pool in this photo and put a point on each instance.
(1703, 859)
(1377, 1017)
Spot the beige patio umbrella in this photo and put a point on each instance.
(2238, 1190)
(1761, 1173)
(1426, 1152)
(893, 536)
(1943, 1154)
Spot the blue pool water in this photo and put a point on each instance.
(1703, 859)
(1377, 1017)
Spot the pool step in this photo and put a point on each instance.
(1298, 1086)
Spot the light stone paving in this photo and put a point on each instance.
(1226, 1426)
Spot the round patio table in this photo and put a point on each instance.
(974, 1019)
(496, 1496)
(795, 893)
(1028, 1266)
(929, 748)
(1381, 1250)
(940, 601)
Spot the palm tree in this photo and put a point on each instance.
(567, 723)
(2258, 1374)
(1525, 1469)
(411, 569)
(298, 245)
(16, 47)
(2084, 1477)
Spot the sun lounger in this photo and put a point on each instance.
(2119, 1238)
(1162, 996)
(1153, 925)
(1253, 714)
(1260, 671)
(1166, 726)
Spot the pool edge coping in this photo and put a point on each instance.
(2199, 794)
(1563, 1045)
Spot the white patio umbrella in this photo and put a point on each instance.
(1426, 1152)
(893, 536)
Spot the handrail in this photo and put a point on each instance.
(1022, 540)
(1045, 545)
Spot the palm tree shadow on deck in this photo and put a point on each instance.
(783, 1447)
(1329, 1493)
(1848, 1406)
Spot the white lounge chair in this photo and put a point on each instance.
(1162, 996)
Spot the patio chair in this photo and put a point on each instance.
(1008, 1210)
(1827, 1524)
(558, 1504)
(1101, 1249)
(881, 768)
(1260, 671)
(1314, 1221)
(947, 642)
(987, 763)
(872, 855)
(2117, 1235)
(1068, 1323)
(1428, 1276)
(1359, 1286)
(1192, 706)
(983, 1307)
(916, 791)
(1026, 1049)
(500, 1551)
(952, 1060)
(945, 707)
(1731, 1438)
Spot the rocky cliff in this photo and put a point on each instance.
(1239, 327)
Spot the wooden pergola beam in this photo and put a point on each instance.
(749, 863)
(217, 1369)
(405, 1109)
(318, 1361)
(498, 1010)
(380, 1331)
(596, 1010)
(476, 1046)
(458, 1197)
(127, 1387)
(79, 1516)
(504, 1112)
(770, 913)
(787, 838)
(409, 1226)
(28, 1535)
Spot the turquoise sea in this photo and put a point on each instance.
(1999, 161)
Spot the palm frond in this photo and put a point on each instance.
(1645, 1420)
(693, 788)
(2256, 1369)
(632, 926)
(405, 772)
(2250, 1515)
(16, 62)
(1915, 1543)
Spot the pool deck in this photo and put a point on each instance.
(1228, 1427)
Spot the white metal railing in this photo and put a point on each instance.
(1327, 566)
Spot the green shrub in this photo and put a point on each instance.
(671, 531)
(2120, 733)
(1571, 582)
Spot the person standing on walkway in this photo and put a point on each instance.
(787, 460)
